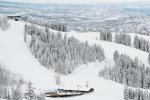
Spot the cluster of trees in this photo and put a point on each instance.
(128, 72)
(58, 27)
(59, 52)
(123, 39)
(139, 43)
(55, 26)
(16, 93)
(106, 35)
(7, 78)
(142, 44)
(4, 23)
(137, 94)
(31, 95)
(143, 30)
(149, 58)
(4, 93)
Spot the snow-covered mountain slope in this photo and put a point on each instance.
(17, 57)
(111, 47)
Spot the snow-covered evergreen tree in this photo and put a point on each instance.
(126, 93)
(136, 94)
(4, 23)
(136, 42)
(4, 92)
(123, 39)
(25, 34)
(106, 35)
(30, 92)
(149, 58)
(128, 72)
(41, 96)
(16, 93)
(142, 44)
(116, 55)
(8, 79)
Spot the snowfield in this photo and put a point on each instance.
(17, 57)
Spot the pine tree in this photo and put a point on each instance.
(149, 58)
(5, 93)
(116, 55)
(106, 35)
(16, 93)
(117, 38)
(4, 23)
(146, 95)
(30, 93)
(141, 44)
(25, 32)
(123, 39)
(126, 93)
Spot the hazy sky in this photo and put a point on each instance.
(74, 1)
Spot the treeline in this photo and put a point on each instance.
(149, 58)
(123, 39)
(16, 93)
(128, 71)
(11, 94)
(59, 52)
(4, 23)
(7, 80)
(142, 31)
(139, 43)
(142, 44)
(55, 26)
(137, 94)
(10, 87)
(106, 35)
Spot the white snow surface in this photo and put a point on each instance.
(16, 56)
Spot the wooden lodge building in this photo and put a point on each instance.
(16, 18)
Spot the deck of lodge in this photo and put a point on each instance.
(67, 93)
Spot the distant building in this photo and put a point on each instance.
(16, 18)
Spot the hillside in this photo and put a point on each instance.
(110, 47)
(17, 57)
